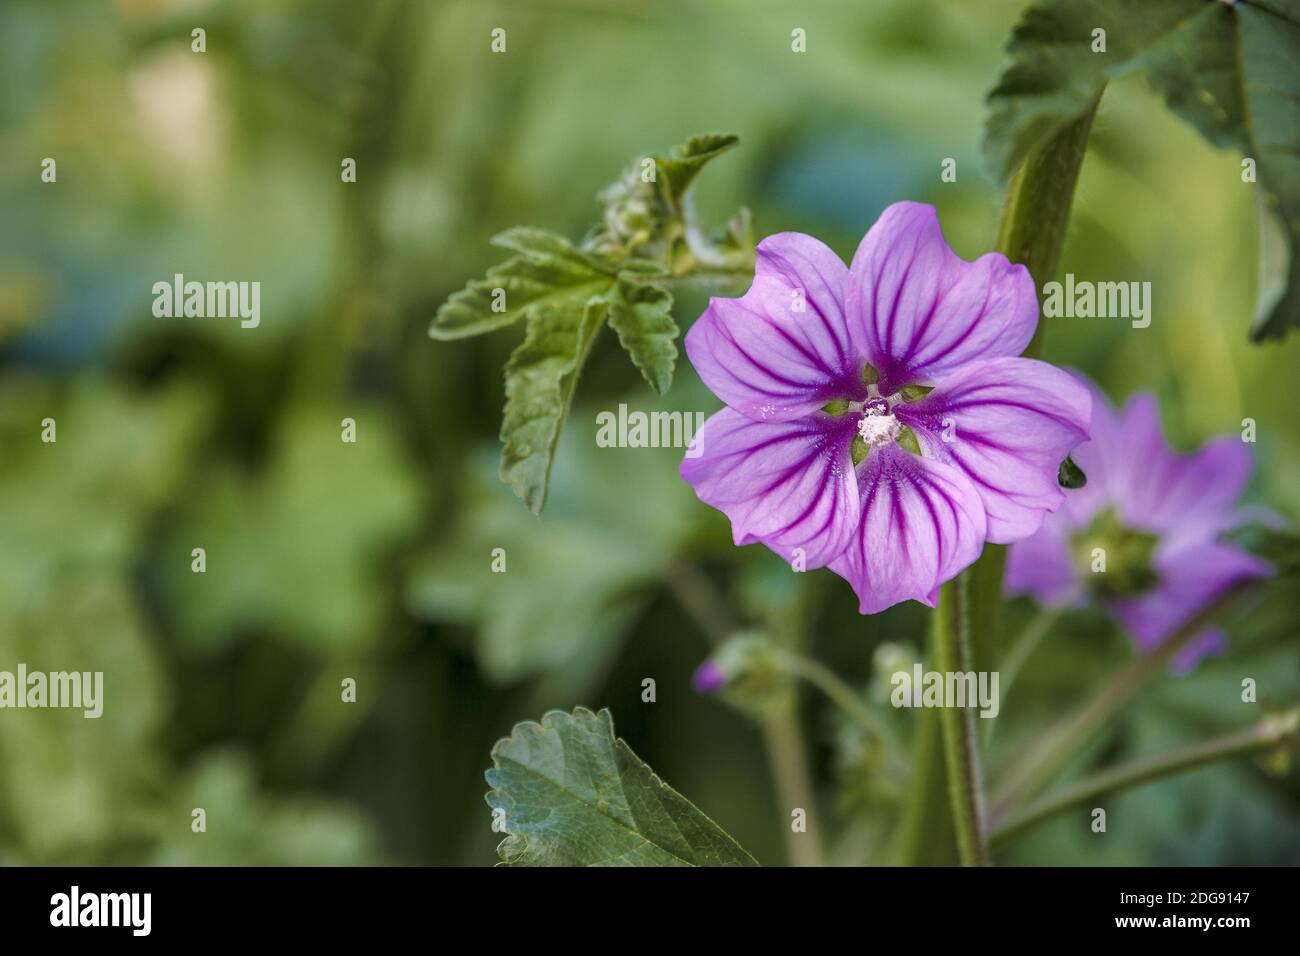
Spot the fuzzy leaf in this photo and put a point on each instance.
(683, 163)
(572, 794)
(1228, 69)
(642, 315)
(541, 377)
(549, 272)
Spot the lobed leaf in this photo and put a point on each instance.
(549, 272)
(541, 377)
(572, 794)
(683, 163)
(642, 315)
(1228, 69)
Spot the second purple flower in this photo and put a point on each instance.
(879, 421)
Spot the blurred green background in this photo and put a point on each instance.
(329, 560)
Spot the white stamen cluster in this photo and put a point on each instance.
(878, 428)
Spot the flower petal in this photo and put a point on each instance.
(783, 349)
(1192, 576)
(920, 311)
(1166, 491)
(788, 484)
(1006, 423)
(921, 524)
(1042, 566)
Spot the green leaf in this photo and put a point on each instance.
(683, 163)
(1054, 74)
(541, 377)
(642, 315)
(1269, 49)
(643, 269)
(549, 272)
(1070, 475)
(547, 247)
(1228, 69)
(572, 794)
(564, 292)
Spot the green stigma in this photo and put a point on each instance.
(1116, 560)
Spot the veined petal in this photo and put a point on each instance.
(810, 265)
(1042, 566)
(788, 484)
(1166, 491)
(783, 349)
(1006, 423)
(920, 311)
(921, 524)
(1192, 576)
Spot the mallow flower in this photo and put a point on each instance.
(879, 421)
(1144, 536)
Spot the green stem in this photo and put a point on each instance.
(1037, 210)
(1024, 646)
(1270, 732)
(951, 625)
(841, 694)
(1058, 743)
(701, 601)
(1034, 222)
(926, 833)
(1011, 663)
(786, 754)
(782, 738)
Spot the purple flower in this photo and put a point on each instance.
(1156, 517)
(708, 678)
(879, 421)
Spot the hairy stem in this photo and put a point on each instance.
(1058, 743)
(1011, 662)
(1034, 222)
(842, 695)
(1270, 732)
(1037, 210)
(785, 750)
(951, 624)
(782, 736)
(1024, 646)
(700, 600)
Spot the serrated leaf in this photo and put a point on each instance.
(572, 794)
(643, 268)
(642, 315)
(544, 246)
(549, 272)
(1228, 69)
(541, 377)
(683, 163)
(1268, 53)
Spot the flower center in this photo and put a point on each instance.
(1116, 561)
(876, 426)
